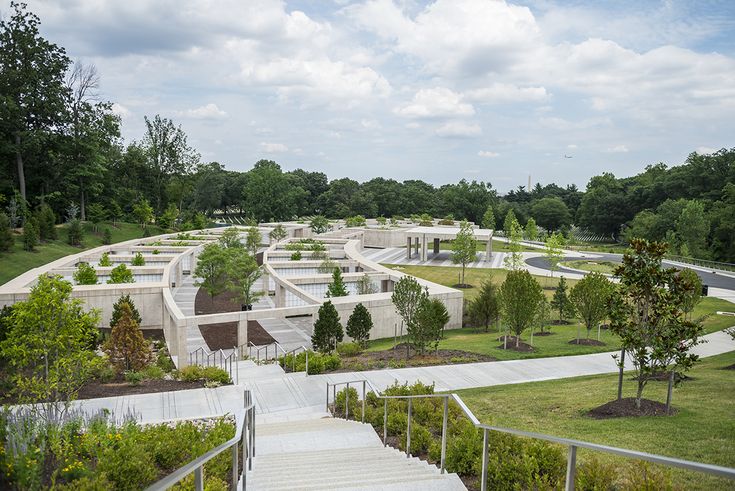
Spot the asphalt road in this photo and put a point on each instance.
(711, 279)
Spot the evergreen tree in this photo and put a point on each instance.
(488, 219)
(561, 302)
(327, 329)
(359, 325)
(126, 347)
(6, 234)
(484, 309)
(85, 274)
(46, 222)
(337, 287)
(117, 310)
(30, 235)
(107, 237)
(75, 233)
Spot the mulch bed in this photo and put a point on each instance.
(370, 359)
(511, 345)
(664, 377)
(731, 367)
(223, 335)
(557, 322)
(462, 285)
(98, 389)
(545, 333)
(626, 407)
(587, 342)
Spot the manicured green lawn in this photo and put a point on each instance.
(605, 267)
(19, 261)
(449, 276)
(702, 430)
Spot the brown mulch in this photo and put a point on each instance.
(97, 389)
(462, 285)
(626, 407)
(731, 367)
(664, 377)
(587, 342)
(374, 359)
(223, 335)
(522, 347)
(545, 333)
(557, 322)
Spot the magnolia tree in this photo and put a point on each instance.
(647, 312)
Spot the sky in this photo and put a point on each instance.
(440, 91)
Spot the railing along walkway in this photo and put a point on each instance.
(572, 444)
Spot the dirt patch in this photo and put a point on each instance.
(223, 335)
(626, 407)
(731, 367)
(664, 377)
(94, 390)
(587, 342)
(511, 345)
(396, 358)
(462, 286)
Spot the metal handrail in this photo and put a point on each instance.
(276, 346)
(573, 445)
(209, 359)
(244, 437)
(294, 352)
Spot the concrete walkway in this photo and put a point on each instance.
(276, 391)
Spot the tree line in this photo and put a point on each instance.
(60, 146)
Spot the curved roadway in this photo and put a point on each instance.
(710, 278)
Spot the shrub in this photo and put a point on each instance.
(104, 373)
(296, 256)
(85, 274)
(107, 237)
(331, 362)
(316, 364)
(121, 274)
(30, 235)
(134, 378)
(643, 476)
(164, 361)
(75, 233)
(6, 234)
(138, 260)
(105, 261)
(354, 402)
(194, 373)
(349, 349)
(593, 474)
(152, 372)
(126, 347)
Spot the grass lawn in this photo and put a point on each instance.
(498, 246)
(19, 261)
(605, 267)
(449, 276)
(703, 429)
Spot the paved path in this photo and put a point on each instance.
(277, 392)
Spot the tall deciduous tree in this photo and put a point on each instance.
(647, 312)
(48, 346)
(514, 258)
(531, 229)
(551, 213)
(278, 233)
(32, 85)
(553, 251)
(407, 294)
(242, 274)
(327, 329)
(590, 298)
(253, 238)
(520, 295)
(319, 224)
(464, 247)
(692, 229)
(213, 270)
(428, 325)
(359, 325)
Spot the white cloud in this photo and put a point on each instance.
(438, 102)
(617, 149)
(120, 110)
(487, 154)
(207, 112)
(706, 150)
(273, 147)
(506, 93)
(458, 129)
(572, 146)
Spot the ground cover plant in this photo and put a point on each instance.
(699, 430)
(95, 453)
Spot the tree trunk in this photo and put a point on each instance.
(82, 204)
(639, 393)
(518, 340)
(21, 171)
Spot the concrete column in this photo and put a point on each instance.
(181, 346)
(436, 246)
(280, 296)
(417, 247)
(424, 250)
(408, 247)
(489, 249)
(242, 331)
(266, 283)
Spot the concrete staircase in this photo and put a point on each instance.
(315, 451)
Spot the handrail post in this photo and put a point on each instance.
(444, 433)
(326, 407)
(408, 430)
(347, 401)
(307, 363)
(252, 440)
(483, 482)
(363, 401)
(233, 475)
(199, 478)
(385, 422)
(571, 468)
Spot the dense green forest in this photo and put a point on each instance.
(60, 146)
